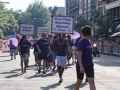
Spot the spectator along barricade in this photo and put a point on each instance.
(109, 46)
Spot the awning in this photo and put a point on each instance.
(116, 34)
(117, 29)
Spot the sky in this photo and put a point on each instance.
(22, 4)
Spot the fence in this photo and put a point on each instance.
(111, 50)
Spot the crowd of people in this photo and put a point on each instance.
(60, 48)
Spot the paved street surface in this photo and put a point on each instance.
(107, 75)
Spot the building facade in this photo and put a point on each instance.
(61, 11)
(72, 8)
(78, 8)
(113, 6)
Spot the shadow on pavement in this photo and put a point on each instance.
(5, 56)
(6, 60)
(50, 86)
(41, 75)
(71, 87)
(15, 75)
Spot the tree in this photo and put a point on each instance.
(104, 22)
(53, 10)
(80, 23)
(7, 20)
(39, 14)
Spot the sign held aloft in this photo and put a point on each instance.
(26, 29)
(41, 30)
(62, 24)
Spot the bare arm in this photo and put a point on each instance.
(49, 49)
(29, 50)
(38, 48)
(19, 50)
(80, 61)
(76, 48)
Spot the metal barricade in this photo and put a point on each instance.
(115, 49)
(111, 49)
(102, 48)
(118, 50)
(108, 49)
(105, 49)
(99, 47)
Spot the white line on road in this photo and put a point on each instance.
(97, 76)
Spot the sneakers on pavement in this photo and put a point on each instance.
(44, 72)
(61, 79)
(39, 71)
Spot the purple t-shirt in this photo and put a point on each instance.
(43, 45)
(85, 46)
(35, 47)
(63, 44)
(77, 41)
(24, 47)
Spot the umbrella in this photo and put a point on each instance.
(13, 41)
(117, 29)
(75, 35)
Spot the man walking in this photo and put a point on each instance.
(61, 46)
(43, 47)
(85, 59)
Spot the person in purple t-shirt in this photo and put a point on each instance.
(85, 59)
(24, 51)
(61, 46)
(35, 51)
(43, 47)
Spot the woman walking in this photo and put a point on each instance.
(24, 51)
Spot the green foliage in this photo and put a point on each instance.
(104, 22)
(53, 10)
(80, 23)
(7, 20)
(39, 14)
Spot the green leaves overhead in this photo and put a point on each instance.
(7, 20)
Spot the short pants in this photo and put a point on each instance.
(54, 55)
(24, 57)
(61, 61)
(42, 56)
(35, 53)
(88, 70)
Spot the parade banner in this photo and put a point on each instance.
(41, 30)
(26, 29)
(62, 24)
(5, 47)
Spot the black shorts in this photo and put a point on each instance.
(89, 71)
(42, 56)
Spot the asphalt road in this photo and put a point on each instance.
(107, 75)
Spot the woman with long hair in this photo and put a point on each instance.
(24, 52)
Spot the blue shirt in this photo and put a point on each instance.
(85, 46)
(43, 45)
(77, 41)
(24, 47)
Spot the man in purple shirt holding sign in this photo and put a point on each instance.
(85, 59)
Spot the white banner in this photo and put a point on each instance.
(5, 47)
(62, 24)
(40, 30)
(27, 29)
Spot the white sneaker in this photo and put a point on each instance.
(61, 79)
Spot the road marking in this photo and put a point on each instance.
(97, 76)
